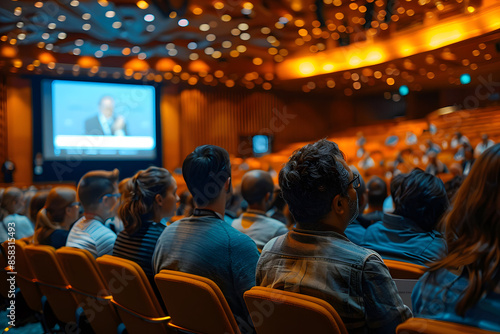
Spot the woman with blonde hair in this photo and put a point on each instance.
(54, 220)
(149, 196)
(464, 286)
(12, 223)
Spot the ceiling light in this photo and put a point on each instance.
(183, 22)
(142, 4)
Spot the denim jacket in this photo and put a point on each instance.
(326, 265)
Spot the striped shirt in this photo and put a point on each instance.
(93, 236)
(139, 247)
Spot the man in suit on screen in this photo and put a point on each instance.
(106, 122)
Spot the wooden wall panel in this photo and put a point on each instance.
(220, 117)
(3, 118)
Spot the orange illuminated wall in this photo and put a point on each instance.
(20, 129)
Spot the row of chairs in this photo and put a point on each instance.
(69, 282)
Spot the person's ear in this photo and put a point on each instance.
(338, 205)
(267, 198)
(159, 200)
(227, 185)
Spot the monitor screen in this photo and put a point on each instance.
(98, 120)
(260, 144)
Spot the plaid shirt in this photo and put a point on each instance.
(326, 265)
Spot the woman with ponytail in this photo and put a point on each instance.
(12, 223)
(464, 286)
(55, 218)
(150, 197)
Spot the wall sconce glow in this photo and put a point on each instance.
(404, 90)
(444, 38)
(149, 17)
(183, 22)
(373, 56)
(328, 67)
(354, 61)
(465, 79)
(306, 68)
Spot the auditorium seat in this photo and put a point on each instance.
(196, 304)
(275, 311)
(29, 287)
(90, 288)
(404, 270)
(133, 296)
(429, 326)
(53, 283)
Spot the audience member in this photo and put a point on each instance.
(464, 285)
(278, 208)
(233, 205)
(435, 165)
(356, 230)
(55, 218)
(152, 196)
(483, 145)
(409, 234)
(377, 193)
(316, 258)
(185, 204)
(468, 159)
(98, 193)
(394, 186)
(257, 189)
(452, 186)
(432, 147)
(458, 140)
(204, 244)
(115, 223)
(13, 225)
(37, 203)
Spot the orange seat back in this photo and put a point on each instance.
(133, 295)
(25, 277)
(90, 288)
(52, 281)
(404, 270)
(195, 303)
(276, 311)
(429, 326)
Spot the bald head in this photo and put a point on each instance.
(255, 185)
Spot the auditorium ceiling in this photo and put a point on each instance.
(345, 46)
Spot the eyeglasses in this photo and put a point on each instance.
(355, 182)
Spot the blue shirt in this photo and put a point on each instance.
(399, 238)
(326, 265)
(437, 293)
(208, 246)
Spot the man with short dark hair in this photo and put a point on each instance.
(316, 258)
(409, 234)
(377, 193)
(99, 196)
(204, 244)
(257, 188)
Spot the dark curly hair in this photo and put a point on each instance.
(310, 180)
